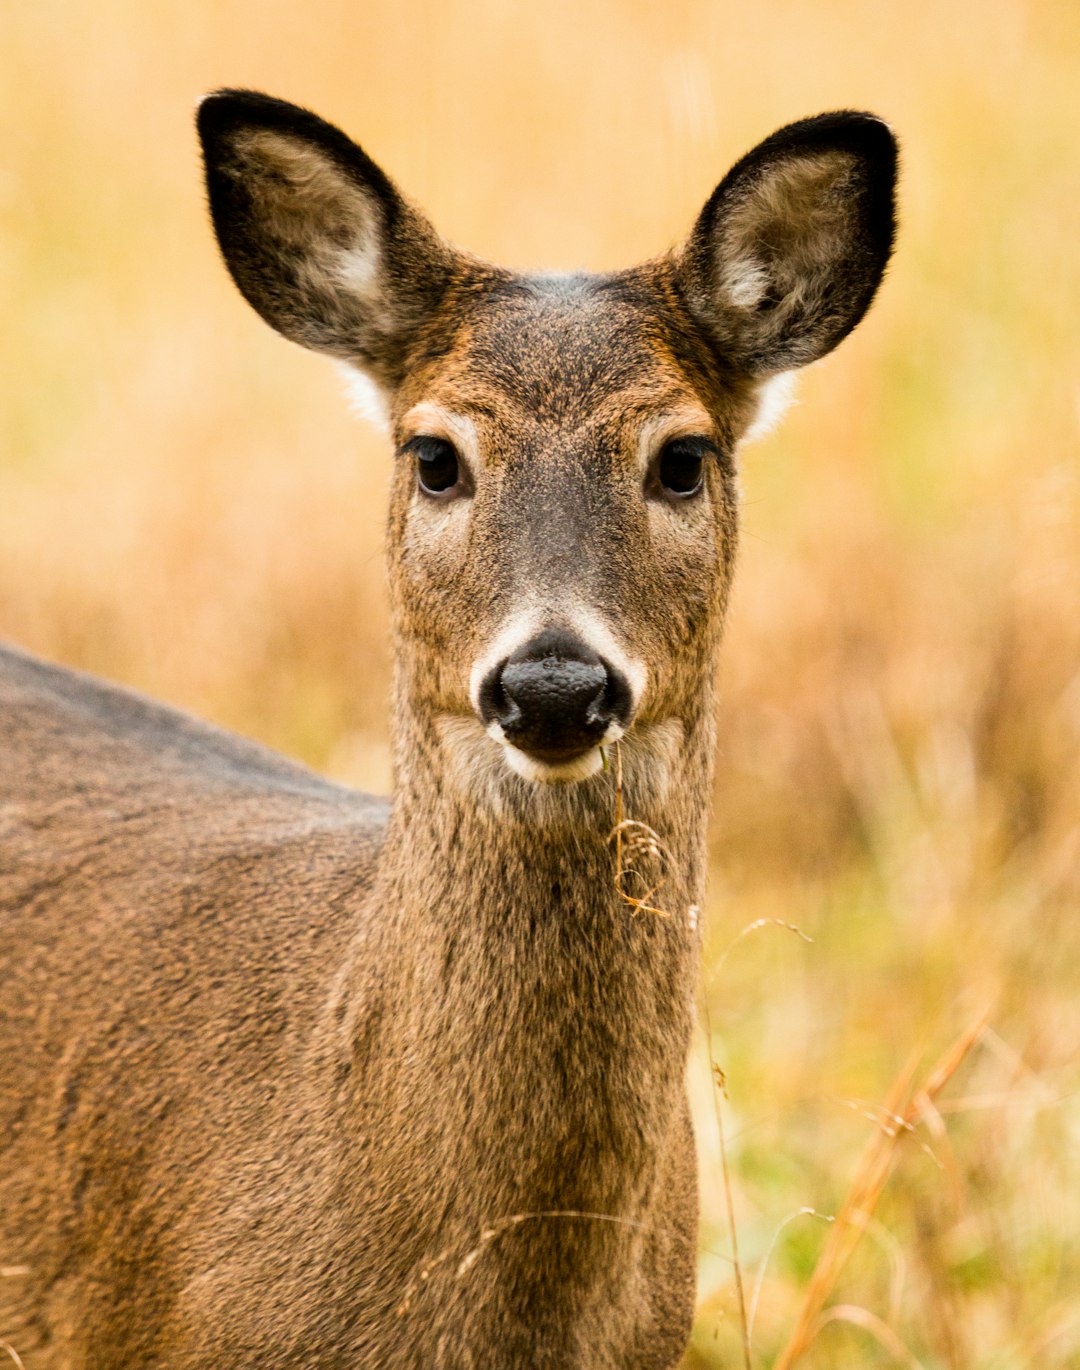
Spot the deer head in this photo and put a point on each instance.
(563, 511)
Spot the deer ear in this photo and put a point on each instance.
(788, 252)
(315, 235)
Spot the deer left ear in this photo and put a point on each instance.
(316, 236)
(788, 252)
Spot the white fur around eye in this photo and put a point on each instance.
(459, 429)
(687, 420)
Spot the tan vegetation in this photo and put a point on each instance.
(185, 506)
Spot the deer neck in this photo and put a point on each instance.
(516, 1028)
(505, 922)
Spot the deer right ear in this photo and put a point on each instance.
(788, 252)
(315, 235)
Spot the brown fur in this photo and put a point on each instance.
(292, 1078)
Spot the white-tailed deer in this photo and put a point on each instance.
(293, 1077)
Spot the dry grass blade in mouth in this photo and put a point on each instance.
(636, 843)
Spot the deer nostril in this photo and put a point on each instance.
(561, 689)
(504, 709)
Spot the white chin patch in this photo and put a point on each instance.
(547, 773)
(565, 773)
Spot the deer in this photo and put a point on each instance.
(296, 1076)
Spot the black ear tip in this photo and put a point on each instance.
(223, 111)
(850, 130)
(864, 136)
(875, 135)
(218, 113)
(226, 105)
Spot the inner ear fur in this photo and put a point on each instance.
(315, 235)
(792, 245)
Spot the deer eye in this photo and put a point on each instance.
(680, 466)
(437, 467)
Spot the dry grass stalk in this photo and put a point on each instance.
(888, 1121)
(7, 1347)
(720, 1089)
(902, 1110)
(719, 1083)
(755, 926)
(878, 1329)
(635, 841)
(764, 1263)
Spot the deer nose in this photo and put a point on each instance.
(554, 698)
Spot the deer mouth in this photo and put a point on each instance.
(551, 766)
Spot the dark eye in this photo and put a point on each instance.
(437, 466)
(680, 468)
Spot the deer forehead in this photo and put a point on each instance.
(576, 359)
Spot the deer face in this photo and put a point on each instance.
(562, 524)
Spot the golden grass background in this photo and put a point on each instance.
(186, 506)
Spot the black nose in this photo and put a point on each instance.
(554, 698)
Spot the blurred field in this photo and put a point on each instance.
(185, 505)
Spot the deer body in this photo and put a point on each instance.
(295, 1078)
(304, 1099)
